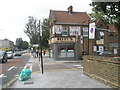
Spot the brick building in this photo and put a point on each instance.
(66, 33)
(106, 37)
(69, 35)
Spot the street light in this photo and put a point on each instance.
(40, 45)
(88, 35)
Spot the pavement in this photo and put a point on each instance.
(60, 76)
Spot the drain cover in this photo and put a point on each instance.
(28, 82)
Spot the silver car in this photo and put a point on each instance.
(105, 53)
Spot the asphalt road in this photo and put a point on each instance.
(11, 69)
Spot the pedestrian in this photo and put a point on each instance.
(37, 52)
(44, 52)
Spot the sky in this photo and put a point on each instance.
(14, 14)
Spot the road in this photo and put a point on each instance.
(12, 68)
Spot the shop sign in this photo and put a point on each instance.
(65, 39)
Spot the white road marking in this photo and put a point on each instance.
(2, 76)
(31, 68)
(79, 67)
(11, 68)
(16, 75)
(25, 67)
(76, 65)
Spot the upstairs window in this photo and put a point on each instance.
(64, 31)
(85, 32)
(58, 29)
(74, 31)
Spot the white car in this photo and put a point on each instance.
(10, 55)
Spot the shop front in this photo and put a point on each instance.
(63, 51)
(63, 48)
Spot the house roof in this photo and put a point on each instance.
(102, 25)
(74, 18)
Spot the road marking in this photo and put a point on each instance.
(39, 66)
(76, 65)
(11, 68)
(16, 75)
(8, 83)
(2, 76)
(31, 68)
(79, 67)
(25, 67)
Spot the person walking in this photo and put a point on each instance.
(44, 52)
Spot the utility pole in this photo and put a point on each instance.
(40, 45)
(88, 35)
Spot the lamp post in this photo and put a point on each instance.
(40, 45)
(88, 35)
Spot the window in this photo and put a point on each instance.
(101, 35)
(58, 29)
(74, 30)
(85, 32)
(64, 31)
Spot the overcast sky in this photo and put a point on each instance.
(14, 14)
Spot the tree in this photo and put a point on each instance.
(25, 45)
(109, 10)
(19, 43)
(45, 31)
(31, 30)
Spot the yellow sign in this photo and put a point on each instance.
(66, 39)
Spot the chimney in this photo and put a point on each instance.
(70, 9)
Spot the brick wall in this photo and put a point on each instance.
(104, 69)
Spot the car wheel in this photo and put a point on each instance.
(2, 60)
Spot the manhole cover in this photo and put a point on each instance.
(28, 82)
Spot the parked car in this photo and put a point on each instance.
(18, 53)
(105, 53)
(3, 56)
(10, 55)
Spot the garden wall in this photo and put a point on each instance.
(104, 69)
